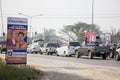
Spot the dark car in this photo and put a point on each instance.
(3, 47)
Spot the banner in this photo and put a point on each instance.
(91, 36)
(16, 40)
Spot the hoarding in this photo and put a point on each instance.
(91, 36)
(16, 40)
(105, 38)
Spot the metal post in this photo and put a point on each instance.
(30, 27)
(92, 11)
(1, 16)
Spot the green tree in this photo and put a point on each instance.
(76, 32)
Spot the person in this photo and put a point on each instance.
(21, 42)
(12, 41)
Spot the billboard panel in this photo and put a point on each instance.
(16, 40)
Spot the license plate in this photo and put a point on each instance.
(102, 52)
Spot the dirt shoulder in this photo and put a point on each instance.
(59, 70)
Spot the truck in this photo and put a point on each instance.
(92, 46)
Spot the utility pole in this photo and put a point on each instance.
(92, 12)
(2, 19)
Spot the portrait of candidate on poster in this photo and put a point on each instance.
(17, 40)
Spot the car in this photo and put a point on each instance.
(28, 48)
(117, 54)
(113, 48)
(67, 49)
(33, 49)
(3, 47)
(49, 48)
(92, 50)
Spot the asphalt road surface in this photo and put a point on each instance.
(84, 60)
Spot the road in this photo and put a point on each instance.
(83, 60)
(71, 68)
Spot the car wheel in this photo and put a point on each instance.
(104, 56)
(77, 54)
(90, 55)
(50, 53)
(111, 55)
(57, 53)
(65, 53)
(117, 57)
(47, 52)
(31, 52)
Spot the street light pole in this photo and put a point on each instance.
(1, 17)
(92, 12)
(30, 17)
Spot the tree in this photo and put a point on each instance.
(115, 37)
(76, 32)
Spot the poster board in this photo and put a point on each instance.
(16, 40)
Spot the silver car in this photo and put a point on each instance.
(33, 49)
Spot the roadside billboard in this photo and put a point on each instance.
(16, 40)
(91, 36)
(105, 38)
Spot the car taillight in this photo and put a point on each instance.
(68, 46)
(94, 49)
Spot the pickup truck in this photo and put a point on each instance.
(92, 50)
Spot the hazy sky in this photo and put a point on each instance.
(57, 13)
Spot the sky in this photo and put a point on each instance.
(58, 13)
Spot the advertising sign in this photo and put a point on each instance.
(105, 38)
(16, 40)
(91, 37)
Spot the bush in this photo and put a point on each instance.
(17, 72)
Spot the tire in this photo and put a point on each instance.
(69, 55)
(90, 55)
(57, 53)
(47, 52)
(65, 54)
(41, 53)
(77, 54)
(31, 52)
(104, 56)
(111, 55)
(50, 53)
(117, 57)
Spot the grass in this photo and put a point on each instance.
(16, 72)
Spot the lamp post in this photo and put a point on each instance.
(92, 12)
(30, 17)
(2, 18)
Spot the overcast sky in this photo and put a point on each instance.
(57, 13)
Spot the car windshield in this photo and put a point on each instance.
(74, 44)
(36, 46)
(3, 42)
(52, 45)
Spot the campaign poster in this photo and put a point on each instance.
(16, 40)
(91, 37)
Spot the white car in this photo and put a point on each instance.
(49, 48)
(68, 49)
(117, 56)
(33, 49)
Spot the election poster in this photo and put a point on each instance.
(16, 40)
(90, 38)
